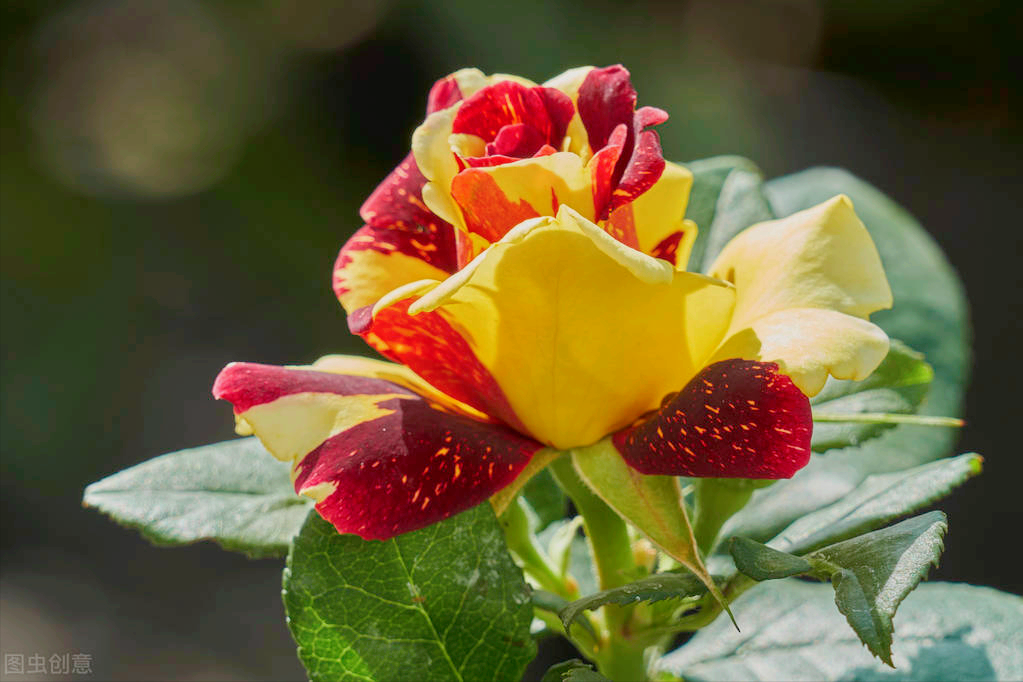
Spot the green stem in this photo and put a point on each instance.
(620, 655)
(607, 533)
(888, 418)
(717, 501)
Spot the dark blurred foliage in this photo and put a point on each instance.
(177, 178)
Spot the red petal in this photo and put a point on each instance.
(519, 140)
(487, 161)
(498, 105)
(407, 466)
(428, 345)
(735, 419)
(560, 110)
(649, 116)
(606, 100)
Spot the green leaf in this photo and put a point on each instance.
(234, 493)
(874, 573)
(545, 498)
(761, 562)
(442, 603)
(898, 385)
(930, 315)
(871, 573)
(726, 198)
(880, 498)
(791, 631)
(652, 588)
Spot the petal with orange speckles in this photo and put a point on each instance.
(735, 419)
(377, 260)
(378, 459)
(432, 347)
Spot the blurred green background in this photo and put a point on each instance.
(177, 178)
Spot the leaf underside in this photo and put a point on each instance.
(233, 493)
(791, 631)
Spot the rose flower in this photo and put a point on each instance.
(525, 265)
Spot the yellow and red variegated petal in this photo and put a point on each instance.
(357, 365)
(494, 200)
(377, 260)
(735, 419)
(487, 210)
(377, 458)
(676, 247)
(658, 217)
(431, 347)
(398, 201)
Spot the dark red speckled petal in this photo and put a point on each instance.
(735, 419)
(403, 467)
(412, 468)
